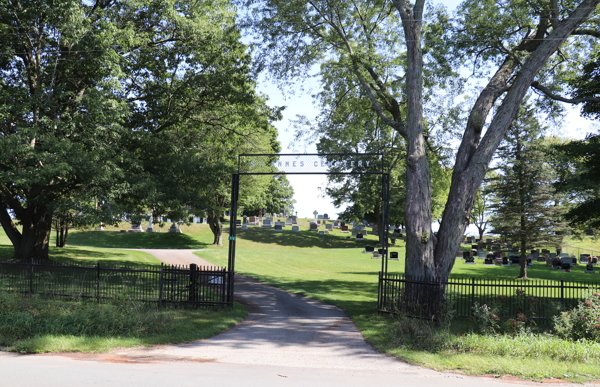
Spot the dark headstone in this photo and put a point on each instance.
(589, 267)
(489, 261)
(369, 249)
(504, 260)
(515, 260)
(393, 255)
(466, 254)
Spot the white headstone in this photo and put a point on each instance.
(295, 229)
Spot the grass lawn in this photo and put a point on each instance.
(332, 268)
(56, 326)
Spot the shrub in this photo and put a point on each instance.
(582, 322)
(487, 318)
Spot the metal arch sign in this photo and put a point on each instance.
(310, 163)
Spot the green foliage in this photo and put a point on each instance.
(582, 322)
(579, 178)
(527, 211)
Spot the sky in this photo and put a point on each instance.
(308, 189)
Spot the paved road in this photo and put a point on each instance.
(286, 340)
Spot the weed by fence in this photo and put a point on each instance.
(537, 299)
(190, 285)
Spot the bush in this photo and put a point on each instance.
(582, 322)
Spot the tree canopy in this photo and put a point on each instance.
(403, 54)
(119, 102)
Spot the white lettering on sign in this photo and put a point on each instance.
(344, 164)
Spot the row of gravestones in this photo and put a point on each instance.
(378, 253)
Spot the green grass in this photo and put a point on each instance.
(58, 326)
(332, 268)
(33, 325)
(195, 236)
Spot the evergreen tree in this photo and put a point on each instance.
(526, 211)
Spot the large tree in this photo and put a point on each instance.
(83, 84)
(526, 210)
(513, 39)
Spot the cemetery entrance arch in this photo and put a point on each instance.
(310, 164)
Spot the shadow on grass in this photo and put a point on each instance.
(128, 240)
(354, 297)
(78, 256)
(301, 239)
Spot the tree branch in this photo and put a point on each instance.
(536, 85)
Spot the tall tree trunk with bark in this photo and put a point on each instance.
(35, 236)
(214, 222)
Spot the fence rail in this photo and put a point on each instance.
(537, 299)
(190, 285)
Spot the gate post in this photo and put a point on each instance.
(235, 185)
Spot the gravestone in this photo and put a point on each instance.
(566, 267)
(394, 256)
(594, 260)
(245, 226)
(278, 228)
(470, 261)
(556, 263)
(466, 254)
(318, 221)
(325, 216)
(175, 228)
(336, 224)
(295, 229)
(515, 260)
(359, 231)
(238, 222)
(329, 227)
(584, 258)
(289, 221)
(345, 228)
(322, 232)
(489, 261)
(313, 227)
(505, 261)
(481, 253)
(359, 237)
(529, 262)
(320, 217)
(267, 223)
(369, 249)
(135, 227)
(589, 268)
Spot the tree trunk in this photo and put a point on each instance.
(523, 260)
(474, 156)
(34, 239)
(417, 207)
(214, 222)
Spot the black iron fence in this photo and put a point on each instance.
(189, 285)
(536, 299)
